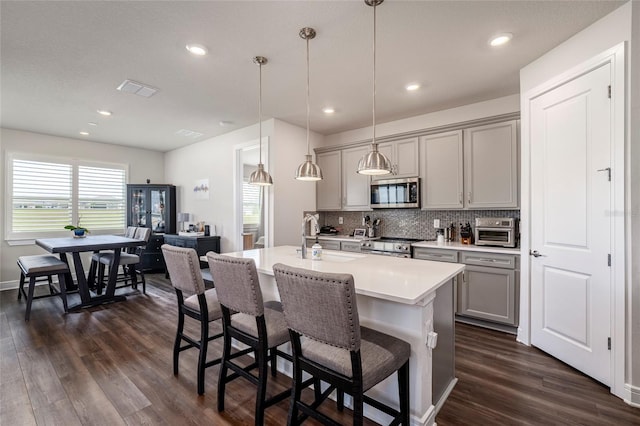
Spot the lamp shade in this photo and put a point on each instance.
(374, 163)
(260, 177)
(308, 170)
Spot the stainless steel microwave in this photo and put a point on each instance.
(395, 193)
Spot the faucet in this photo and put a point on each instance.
(308, 218)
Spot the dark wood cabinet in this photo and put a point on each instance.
(202, 245)
(152, 206)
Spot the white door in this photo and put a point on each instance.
(570, 223)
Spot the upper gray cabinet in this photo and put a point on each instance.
(329, 189)
(491, 166)
(442, 184)
(474, 168)
(355, 187)
(404, 158)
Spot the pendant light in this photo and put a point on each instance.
(308, 171)
(260, 177)
(374, 162)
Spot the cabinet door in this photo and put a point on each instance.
(355, 187)
(488, 293)
(353, 246)
(329, 189)
(491, 166)
(404, 158)
(137, 203)
(442, 178)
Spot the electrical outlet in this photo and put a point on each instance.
(436, 223)
(340, 220)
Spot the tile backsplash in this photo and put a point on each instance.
(409, 223)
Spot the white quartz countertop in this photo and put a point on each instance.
(390, 278)
(455, 245)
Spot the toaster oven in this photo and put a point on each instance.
(496, 231)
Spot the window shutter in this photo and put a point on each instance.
(101, 198)
(41, 197)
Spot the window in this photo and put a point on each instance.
(251, 204)
(47, 194)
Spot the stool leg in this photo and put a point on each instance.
(50, 282)
(63, 291)
(403, 391)
(21, 286)
(263, 372)
(100, 281)
(32, 286)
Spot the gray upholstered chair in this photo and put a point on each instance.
(42, 266)
(202, 305)
(129, 260)
(258, 325)
(336, 349)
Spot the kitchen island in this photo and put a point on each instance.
(407, 298)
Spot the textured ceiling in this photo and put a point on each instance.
(60, 61)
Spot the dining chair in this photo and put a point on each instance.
(130, 260)
(257, 324)
(328, 343)
(200, 304)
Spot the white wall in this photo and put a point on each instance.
(600, 36)
(143, 165)
(493, 107)
(214, 159)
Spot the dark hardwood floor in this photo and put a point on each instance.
(111, 365)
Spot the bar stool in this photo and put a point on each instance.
(321, 307)
(202, 305)
(259, 325)
(34, 267)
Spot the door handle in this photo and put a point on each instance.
(535, 253)
(608, 170)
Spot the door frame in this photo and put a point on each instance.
(237, 191)
(615, 56)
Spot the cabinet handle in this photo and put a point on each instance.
(460, 197)
(469, 197)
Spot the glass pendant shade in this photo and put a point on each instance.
(374, 163)
(260, 177)
(309, 171)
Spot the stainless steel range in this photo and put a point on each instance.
(397, 247)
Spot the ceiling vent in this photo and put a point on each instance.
(130, 86)
(188, 133)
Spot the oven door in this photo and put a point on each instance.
(486, 236)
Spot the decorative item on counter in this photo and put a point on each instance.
(466, 234)
(316, 251)
(440, 236)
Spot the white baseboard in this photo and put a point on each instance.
(632, 396)
(10, 285)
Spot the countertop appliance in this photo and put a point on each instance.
(395, 193)
(496, 231)
(396, 247)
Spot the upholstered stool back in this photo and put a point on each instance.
(183, 266)
(236, 281)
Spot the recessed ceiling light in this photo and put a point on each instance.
(328, 110)
(104, 112)
(197, 49)
(500, 39)
(91, 123)
(412, 87)
(84, 133)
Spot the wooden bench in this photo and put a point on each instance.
(34, 267)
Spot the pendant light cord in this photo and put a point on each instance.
(374, 74)
(260, 108)
(308, 108)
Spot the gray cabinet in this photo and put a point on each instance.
(491, 166)
(403, 154)
(353, 246)
(355, 187)
(489, 292)
(326, 244)
(439, 255)
(329, 189)
(442, 184)
(476, 168)
(202, 245)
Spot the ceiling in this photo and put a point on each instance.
(62, 60)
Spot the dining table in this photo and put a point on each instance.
(90, 243)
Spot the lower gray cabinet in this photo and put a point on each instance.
(489, 292)
(326, 244)
(353, 246)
